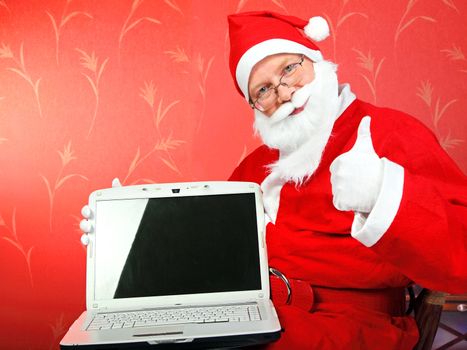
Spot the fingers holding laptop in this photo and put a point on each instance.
(85, 225)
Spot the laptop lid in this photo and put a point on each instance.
(176, 244)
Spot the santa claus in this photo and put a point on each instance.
(362, 201)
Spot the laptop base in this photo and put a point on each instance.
(226, 342)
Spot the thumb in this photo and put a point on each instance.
(116, 182)
(363, 142)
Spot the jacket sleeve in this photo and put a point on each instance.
(424, 231)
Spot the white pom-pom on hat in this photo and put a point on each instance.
(317, 28)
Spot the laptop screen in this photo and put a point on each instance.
(176, 245)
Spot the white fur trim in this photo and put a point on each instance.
(266, 48)
(346, 97)
(317, 28)
(369, 231)
(271, 187)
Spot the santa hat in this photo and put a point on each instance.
(256, 35)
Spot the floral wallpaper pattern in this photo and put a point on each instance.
(140, 90)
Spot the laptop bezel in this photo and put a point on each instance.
(176, 190)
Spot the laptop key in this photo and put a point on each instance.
(172, 322)
(93, 327)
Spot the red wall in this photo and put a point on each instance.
(91, 90)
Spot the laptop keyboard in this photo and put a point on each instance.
(158, 317)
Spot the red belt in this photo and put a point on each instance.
(285, 291)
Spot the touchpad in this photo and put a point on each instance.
(159, 331)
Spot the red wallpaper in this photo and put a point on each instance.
(140, 89)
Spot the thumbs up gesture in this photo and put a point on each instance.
(356, 176)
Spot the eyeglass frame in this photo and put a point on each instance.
(253, 103)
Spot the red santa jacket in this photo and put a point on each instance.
(426, 241)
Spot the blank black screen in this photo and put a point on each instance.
(198, 244)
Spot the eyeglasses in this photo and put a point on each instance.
(267, 95)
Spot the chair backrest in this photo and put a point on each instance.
(428, 307)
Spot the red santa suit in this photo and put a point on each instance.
(416, 232)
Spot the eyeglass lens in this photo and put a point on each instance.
(270, 96)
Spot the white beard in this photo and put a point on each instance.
(301, 138)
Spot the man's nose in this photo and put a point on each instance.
(284, 93)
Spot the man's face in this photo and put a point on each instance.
(267, 74)
(306, 116)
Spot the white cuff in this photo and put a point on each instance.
(369, 230)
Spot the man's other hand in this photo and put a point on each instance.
(85, 225)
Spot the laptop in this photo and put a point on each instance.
(176, 265)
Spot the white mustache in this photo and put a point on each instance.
(299, 98)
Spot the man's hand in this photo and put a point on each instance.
(85, 225)
(356, 176)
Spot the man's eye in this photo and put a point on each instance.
(262, 91)
(290, 68)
